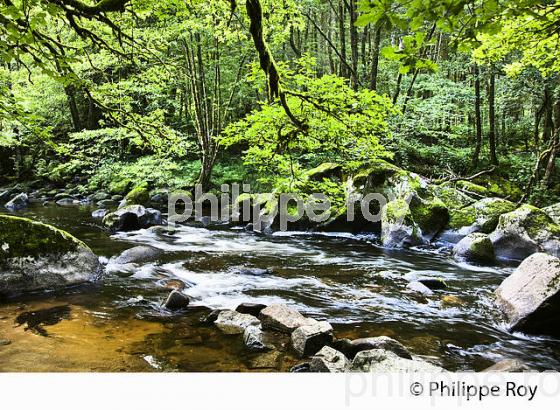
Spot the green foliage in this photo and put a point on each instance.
(340, 124)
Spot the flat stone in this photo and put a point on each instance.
(270, 360)
(138, 254)
(283, 318)
(509, 366)
(380, 342)
(420, 288)
(384, 361)
(234, 323)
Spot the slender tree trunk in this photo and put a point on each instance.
(375, 57)
(70, 92)
(342, 37)
(353, 12)
(492, 117)
(397, 89)
(478, 117)
(555, 147)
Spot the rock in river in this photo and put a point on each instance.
(137, 254)
(283, 318)
(36, 256)
(176, 301)
(253, 337)
(475, 247)
(250, 308)
(380, 342)
(131, 218)
(530, 296)
(525, 231)
(328, 360)
(509, 366)
(234, 323)
(18, 202)
(308, 340)
(384, 361)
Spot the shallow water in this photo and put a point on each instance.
(118, 325)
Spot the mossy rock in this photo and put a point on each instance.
(430, 216)
(553, 212)
(484, 214)
(375, 174)
(524, 231)
(500, 186)
(470, 187)
(35, 256)
(476, 247)
(140, 195)
(451, 197)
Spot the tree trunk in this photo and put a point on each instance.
(354, 42)
(342, 37)
(478, 117)
(70, 92)
(375, 57)
(492, 117)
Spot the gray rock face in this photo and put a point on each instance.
(18, 202)
(476, 247)
(530, 297)
(384, 361)
(176, 301)
(380, 342)
(308, 340)
(138, 254)
(509, 366)
(66, 202)
(525, 231)
(553, 212)
(253, 338)
(131, 218)
(283, 318)
(328, 360)
(36, 256)
(100, 196)
(234, 323)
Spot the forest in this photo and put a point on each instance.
(445, 112)
(95, 96)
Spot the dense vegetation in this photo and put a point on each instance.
(121, 92)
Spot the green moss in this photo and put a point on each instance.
(473, 188)
(22, 237)
(140, 195)
(397, 210)
(376, 173)
(533, 219)
(486, 212)
(325, 170)
(462, 217)
(451, 197)
(430, 216)
(120, 186)
(501, 187)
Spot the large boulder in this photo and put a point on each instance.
(18, 202)
(530, 296)
(384, 361)
(413, 214)
(475, 247)
(35, 256)
(482, 216)
(308, 340)
(234, 323)
(131, 218)
(328, 360)
(140, 195)
(525, 231)
(283, 318)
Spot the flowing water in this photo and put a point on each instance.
(118, 324)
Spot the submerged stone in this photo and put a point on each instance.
(176, 301)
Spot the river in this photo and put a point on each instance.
(360, 288)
